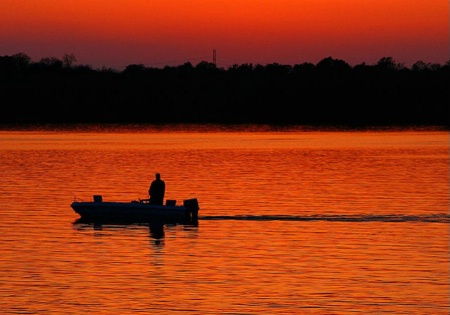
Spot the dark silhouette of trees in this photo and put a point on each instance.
(330, 93)
(69, 60)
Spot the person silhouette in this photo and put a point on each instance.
(157, 190)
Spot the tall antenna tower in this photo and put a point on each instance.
(214, 56)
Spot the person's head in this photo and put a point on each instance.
(158, 176)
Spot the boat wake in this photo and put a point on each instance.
(432, 218)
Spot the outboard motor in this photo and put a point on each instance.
(193, 207)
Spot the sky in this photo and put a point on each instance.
(158, 33)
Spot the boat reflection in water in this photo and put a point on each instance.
(156, 228)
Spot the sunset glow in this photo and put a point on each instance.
(158, 33)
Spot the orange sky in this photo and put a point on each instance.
(116, 33)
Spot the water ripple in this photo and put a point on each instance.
(435, 218)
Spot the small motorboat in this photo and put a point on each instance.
(136, 211)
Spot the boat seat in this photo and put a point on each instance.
(170, 202)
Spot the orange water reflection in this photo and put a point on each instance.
(290, 222)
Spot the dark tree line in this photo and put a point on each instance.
(330, 92)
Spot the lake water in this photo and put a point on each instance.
(290, 222)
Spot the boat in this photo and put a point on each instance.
(136, 211)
